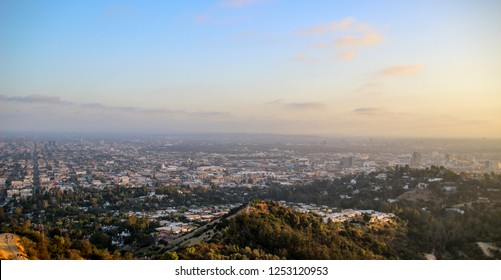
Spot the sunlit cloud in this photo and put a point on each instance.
(349, 33)
(321, 29)
(348, 55)
(367, 39)
(403, 69)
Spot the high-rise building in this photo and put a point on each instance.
(489, 165)
(416, 159)
(346, 162)
(448, 157)
(20, 140)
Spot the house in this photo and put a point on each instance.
(435, 180)
(422, 186)
(457, 210)
(381, 176)
(449, 189)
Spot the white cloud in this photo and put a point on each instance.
(367, 39)
(403, 69)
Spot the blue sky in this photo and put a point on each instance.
(345, 68)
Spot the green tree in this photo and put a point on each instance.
(101, 240)
(169, 256)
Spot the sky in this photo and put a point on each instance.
(331, 68)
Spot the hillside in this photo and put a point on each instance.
(10, 249)
(269, 230)
(457, 217)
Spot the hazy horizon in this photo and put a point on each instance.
(408, 69)
(234, 136)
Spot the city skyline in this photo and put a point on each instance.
(336, 68)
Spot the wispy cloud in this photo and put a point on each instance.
(100, 106)
(372, 85)
(305, 106)
(37, 99)
(369, 111)
(126, 109)
(350, 34)
(275, 102)
(367, 39)
(335, 26)
(370, 89)
(93, 105)
(239, 3)
(216, 17)
(297, 105)
(403, 69)
(211, 114)
(348, 55)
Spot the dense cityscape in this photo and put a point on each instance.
(148, 191)
(28, 165)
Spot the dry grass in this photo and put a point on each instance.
(10, 249)
(487, 248)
